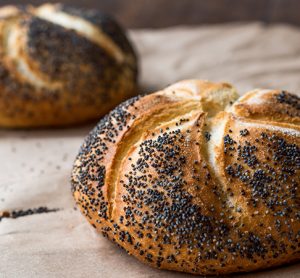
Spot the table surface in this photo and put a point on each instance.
(35, 165)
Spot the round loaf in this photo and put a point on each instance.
(61, 66)
(195, 179)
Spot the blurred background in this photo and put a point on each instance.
(166, 13)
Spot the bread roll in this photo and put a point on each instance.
(61, 66)
(195, 179)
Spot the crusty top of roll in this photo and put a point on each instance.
(193, 178)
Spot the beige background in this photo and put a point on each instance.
(35, 165)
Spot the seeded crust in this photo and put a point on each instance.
(194, 179)
(59, 68)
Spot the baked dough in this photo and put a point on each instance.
(61, 66)
(195, 179)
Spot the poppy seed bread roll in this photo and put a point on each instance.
(195, 179)
(61, 66)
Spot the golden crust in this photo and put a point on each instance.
(183, 180)
(270, 105)
(53, 73)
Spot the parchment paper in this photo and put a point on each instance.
(36, 165)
